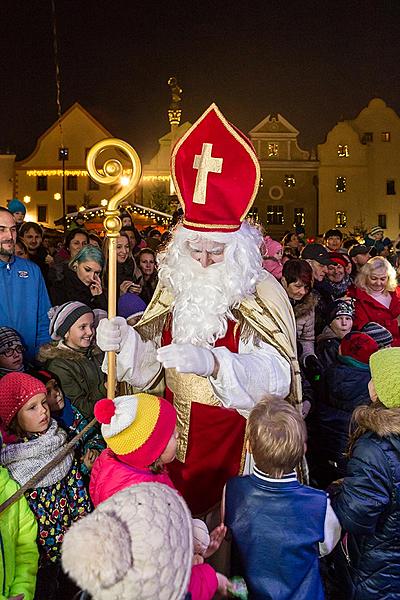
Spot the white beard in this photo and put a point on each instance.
(204, 297)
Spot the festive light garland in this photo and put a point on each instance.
(138, 209)
(84, 173)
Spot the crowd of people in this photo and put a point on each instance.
(253, 445)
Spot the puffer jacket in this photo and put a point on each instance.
(368, 508)
(18, 549)
(344, 387)
(327, 347)
(79, 372)
(110, 475)
(368, 309)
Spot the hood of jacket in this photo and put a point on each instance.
(347, 386)
(60, 350)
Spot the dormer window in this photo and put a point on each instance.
(343, 150)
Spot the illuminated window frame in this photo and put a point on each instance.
(341, 218)
(273, 150)
(343, 151)
(275, 214)
(341, 184)
(385, 136)
(298, 217)
(289, 181)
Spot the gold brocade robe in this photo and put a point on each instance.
(266, 316)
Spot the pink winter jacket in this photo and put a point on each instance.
(110, 475)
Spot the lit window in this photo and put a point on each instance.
(390, 187)
(382, 221)
(289, 181)
(253, 215)
(341, 219)
(298, 217)
(273, 150)
(275, 214)
(340, 184)
(343, 150)
(385, 136)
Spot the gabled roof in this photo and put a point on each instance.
(274, 123)
(75, 107)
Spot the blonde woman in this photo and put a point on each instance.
(375, 297)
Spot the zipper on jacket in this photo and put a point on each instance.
(4, 564)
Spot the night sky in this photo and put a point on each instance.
(314, 62)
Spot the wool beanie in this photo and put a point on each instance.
(9, 338)
(16, 205)
(143, 543)
(375, 230)
(339, 308)
(136, 428)
(130, 305)
(16, 389)
(385, 372)
(358, 346)
(380, 334)
(64, 316)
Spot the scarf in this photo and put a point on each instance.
(25, 459)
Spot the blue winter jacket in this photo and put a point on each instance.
(24, 303)
(368, 508)
(344, 388)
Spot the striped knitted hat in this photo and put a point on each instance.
(9, 338)
(136, 428)
(64, 316)
(380, 334)
(16, 389)
(375, 230)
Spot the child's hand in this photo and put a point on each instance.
(223, 584)
(89, 457)
(216, 537)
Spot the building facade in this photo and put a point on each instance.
(38, 179)
(288, 195)
(359, 172)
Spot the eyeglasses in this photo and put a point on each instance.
(11, 351)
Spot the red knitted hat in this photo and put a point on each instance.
(359, 346)
(16, 389)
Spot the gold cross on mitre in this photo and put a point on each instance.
(205, 163)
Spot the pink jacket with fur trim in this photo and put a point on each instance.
(110, 475)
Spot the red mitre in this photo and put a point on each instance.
(216, 174)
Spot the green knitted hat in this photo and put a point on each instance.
(385, 371)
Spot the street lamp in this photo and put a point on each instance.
(57, 196)
(27, 199)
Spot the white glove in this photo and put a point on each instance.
(111, 334)
(186, 358)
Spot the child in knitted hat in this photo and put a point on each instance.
(141, 435)
(272, 252)
(11, 351)
(367, 502)
(340, 319)
(60, 497)
(71, 420)
(74, 357)
(138, 545)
